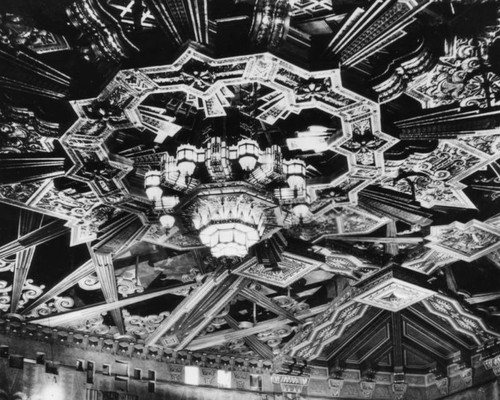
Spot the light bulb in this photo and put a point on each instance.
(152, 180)
(301, 210)
(168, 202)
(154, 193)
(247, 163)
(186, 167)
(167, 221)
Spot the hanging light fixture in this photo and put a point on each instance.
(167, 220)
(186, 159)
(152, 181)
(295, 171)
(229, 228)
(217, 160)
(227, 224)
(248, 153)
(301, 210)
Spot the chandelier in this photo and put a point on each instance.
(231, 227)
(226, 192)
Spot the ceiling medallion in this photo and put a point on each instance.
(392, 290)
(228, 186)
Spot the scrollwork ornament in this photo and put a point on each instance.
(90, 282)
(58, 304)
(142, 327)
(6, 266)
(127, 285)
(30, 292)
(93, 325)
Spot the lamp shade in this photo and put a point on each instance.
(301, 210)
(186, 159)
(169, 202)
(167, 221)
(248, 154)
(152, 180)
(295, 171)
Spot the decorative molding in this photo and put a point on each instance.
(442, 385)
(15, 32)
(367, 388)
(399, 389)
(460, 319)
(335, 386)
(105, 33)
(393, 295)
(466, 242)
(458, 78)
(290, 383)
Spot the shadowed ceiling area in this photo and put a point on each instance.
(308, 187)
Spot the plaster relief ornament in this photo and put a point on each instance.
(459, 76)
(335, 386)
(393, 295)
(434, 178)
(466, 242)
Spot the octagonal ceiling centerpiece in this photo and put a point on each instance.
(227, 154)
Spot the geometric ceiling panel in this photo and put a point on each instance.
(289, 270)
(466, 242)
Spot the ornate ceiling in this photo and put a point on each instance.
(391, 109)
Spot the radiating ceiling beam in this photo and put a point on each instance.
(392, 247)
(371, 239)
(181, 20)
(66, 283)
(118, 234)
(251, 341)
(105, 271)
(28, 221)
(262, 300)
(219, 338)
(231, 291)
(483, 297)
(41, 235)
(96, 309)
(188, 304)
